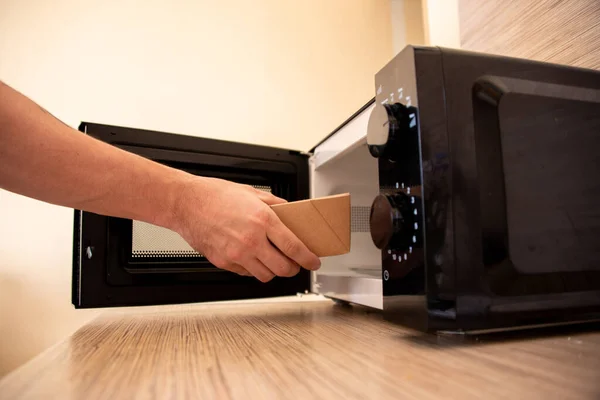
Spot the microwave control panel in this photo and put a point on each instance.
(396, 219)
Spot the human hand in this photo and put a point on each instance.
(233, 226)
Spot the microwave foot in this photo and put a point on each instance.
(342, 303)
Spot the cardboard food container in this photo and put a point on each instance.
(322, 224)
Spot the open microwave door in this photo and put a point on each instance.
(120, 262)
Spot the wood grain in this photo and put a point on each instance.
(560, 31)
(295, 350)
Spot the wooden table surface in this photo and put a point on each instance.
(301, 350)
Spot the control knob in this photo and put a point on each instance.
(394, 221)
(386, 123)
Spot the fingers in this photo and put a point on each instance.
(231, 267)
(269, 198)
(290, 245)
(279, 264)
(248, 267)
(258, 270)
(238, 269)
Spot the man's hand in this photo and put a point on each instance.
(233, 226)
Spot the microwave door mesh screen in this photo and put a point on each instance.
(151, 241)
(154, 241)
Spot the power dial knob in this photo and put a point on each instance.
(386, 124)
(394, 221)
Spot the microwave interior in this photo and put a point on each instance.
(120, 262)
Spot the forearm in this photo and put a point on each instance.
(42, 158)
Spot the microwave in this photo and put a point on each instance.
(475, 201)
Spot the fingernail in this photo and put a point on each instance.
(317, 265)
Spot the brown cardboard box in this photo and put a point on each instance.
(323, 224)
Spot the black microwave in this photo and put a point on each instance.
(475, 201)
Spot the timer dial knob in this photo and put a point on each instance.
(394, 221)
(385, 125)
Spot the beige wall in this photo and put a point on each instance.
(263, 71)
(441, 23)
(425, 22)
(407, 23)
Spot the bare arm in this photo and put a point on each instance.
(42, 158)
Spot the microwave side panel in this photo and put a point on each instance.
(524, 141)
(342, 164)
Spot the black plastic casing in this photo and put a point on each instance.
(508, 176)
